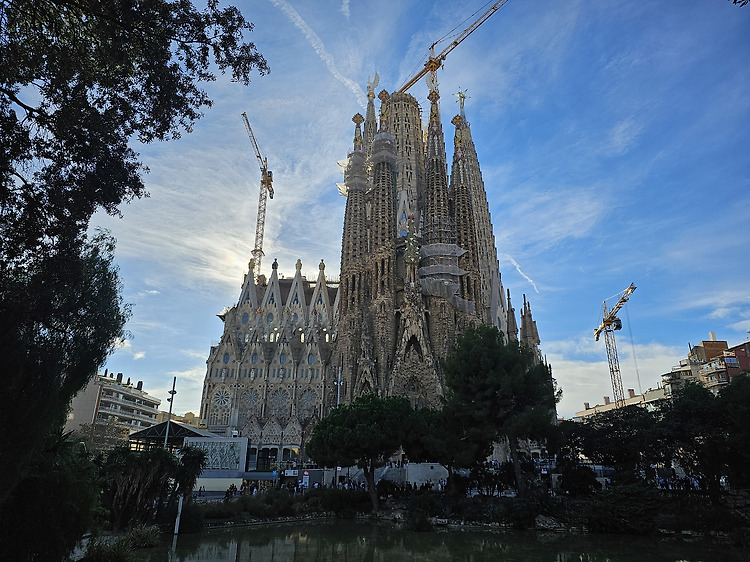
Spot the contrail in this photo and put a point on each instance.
(345, 8)
(320, 49)
(518, 268)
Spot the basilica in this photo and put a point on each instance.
(418, 266)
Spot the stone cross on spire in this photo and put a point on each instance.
(358, 120)
(461, 97)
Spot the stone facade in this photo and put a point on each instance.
(418, 266)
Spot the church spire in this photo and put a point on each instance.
(529, 334)
(512, 333)
(466, 171)
(383, 97)
(463, 216)
(437, 225)
(371, 123)
(355, 180)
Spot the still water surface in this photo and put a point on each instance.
(349, 541)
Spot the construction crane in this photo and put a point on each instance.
(435, 62)
(610, 323)
(266, 190)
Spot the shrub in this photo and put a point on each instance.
(344, 503)
(191, 520)
(120, 550)
(144, 536)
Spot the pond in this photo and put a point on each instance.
(352, 541)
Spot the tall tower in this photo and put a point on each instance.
(428, 267)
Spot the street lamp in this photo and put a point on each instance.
(169, 415)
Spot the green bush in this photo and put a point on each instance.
(191, 520)
(343, 503)
(144, 536)
(120, 550)
(221, 510)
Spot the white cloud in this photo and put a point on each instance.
(518, 268)
(589, 380)
(622, 136)
(320, 49)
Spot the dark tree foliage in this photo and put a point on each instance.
(497, 390)
(734, 401)
(48, 530)
(452, 440)
(141, 487)
(80, 80)
(695, 422)
(364, 432)
(624, 438)
(60, 315)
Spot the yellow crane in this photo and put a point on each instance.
(610, 322)
(436, 61)
(266, 191)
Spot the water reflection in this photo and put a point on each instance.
(346, 541)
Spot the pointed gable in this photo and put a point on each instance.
(295, 311)
(321, 312)
(272, 306)
(249, 293)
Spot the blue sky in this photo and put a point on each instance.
(612, 139)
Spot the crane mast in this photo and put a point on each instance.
(435, 62)
(610, 322)
(266, 191)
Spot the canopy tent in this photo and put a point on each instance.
(153, 436)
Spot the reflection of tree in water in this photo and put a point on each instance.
(348, 541)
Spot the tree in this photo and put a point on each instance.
(140, 487)
(49, 530)
(694, 421)
(623, 438)
(80, 80)
(444, 437)
(364, 432)
(734, 403)
(60, 318)
(99, 437)
(499, 390)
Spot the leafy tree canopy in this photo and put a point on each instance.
(734, 400)
(49, 530)
(364, 432)
(694, 419)
(141, 487)
(498, 390)
(622, 438)
(79, 81)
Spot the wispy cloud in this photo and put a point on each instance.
(518, 268)
(622, 136)
(320, 49)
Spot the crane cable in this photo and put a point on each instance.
(452, 33)
(632, 346)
